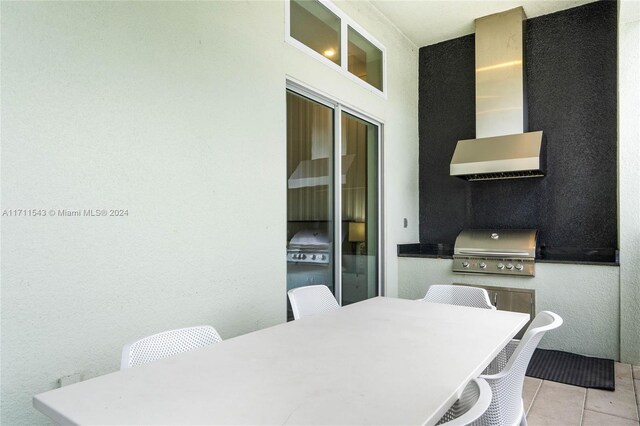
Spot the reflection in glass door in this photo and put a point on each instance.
(310, 206)
(359, 210)
(350, 267)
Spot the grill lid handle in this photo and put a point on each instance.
(494, 253)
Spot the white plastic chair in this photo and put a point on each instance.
(310, 300)
(166, 344)
(459, 295)
(506, 373)
(472, 404)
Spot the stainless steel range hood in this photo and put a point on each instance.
(503, 149)
(316, 172)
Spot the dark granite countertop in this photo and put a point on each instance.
(571, 255)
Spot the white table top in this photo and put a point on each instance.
(381, 361)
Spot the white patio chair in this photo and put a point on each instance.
(506, 373)
(166, 344)
(472, 404)
(459, 295)
(310, 300)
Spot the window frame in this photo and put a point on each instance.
(343, 68)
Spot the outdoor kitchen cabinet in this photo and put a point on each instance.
(354, 287)
(355, 278)
(511, 299)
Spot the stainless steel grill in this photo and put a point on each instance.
(503, 251)
(309, 246)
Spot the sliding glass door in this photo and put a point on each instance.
(359, 210)
(310, 194)
(332, 235)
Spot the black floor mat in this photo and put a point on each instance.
(572, 369)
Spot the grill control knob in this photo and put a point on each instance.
(482, 265)
(313, 257)
(304, 256)
(519, 267)
(465, 264)
(509, 266)
(500, 266)
(323, 257)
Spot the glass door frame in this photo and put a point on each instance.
(338, 108)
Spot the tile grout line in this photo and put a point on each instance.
(584, 406)
(609, 414)
(535, 395)
(635, 394)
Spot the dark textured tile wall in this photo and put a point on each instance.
(570, 64)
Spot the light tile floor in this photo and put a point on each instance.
(556, 404)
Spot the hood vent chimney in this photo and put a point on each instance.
(503, 148)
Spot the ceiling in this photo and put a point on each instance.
(427, 22)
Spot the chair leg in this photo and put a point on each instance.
(523, 420)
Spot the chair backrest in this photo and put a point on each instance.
(506, 406)
(459, 295)
(310, 300)
(471, 405)
(166, 344)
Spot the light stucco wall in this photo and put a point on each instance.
(629, 178)
(176, 112)
(585, 296)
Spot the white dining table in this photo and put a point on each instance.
(380, 361)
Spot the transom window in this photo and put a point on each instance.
(323, 31)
